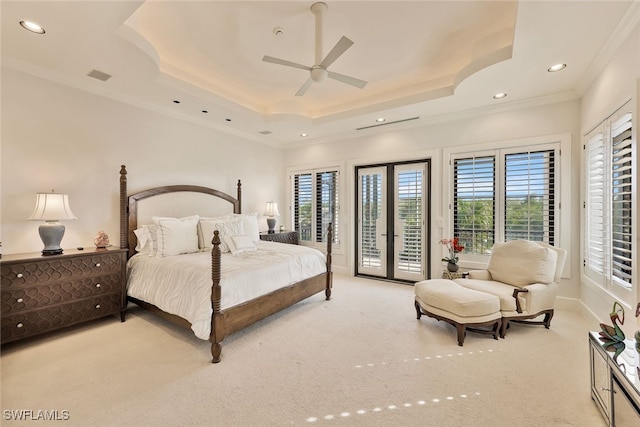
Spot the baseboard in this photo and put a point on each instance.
(577, 306)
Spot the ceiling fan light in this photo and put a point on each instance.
(318, 74)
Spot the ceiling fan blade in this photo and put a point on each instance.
(340, 47)
(305, 87)
(346, 79)
(285, 63)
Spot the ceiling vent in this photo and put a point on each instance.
(99, 75)
(388, 123)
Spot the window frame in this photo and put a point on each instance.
(315, 172)
(605, 277)
(561, 143)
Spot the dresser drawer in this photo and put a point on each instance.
(29, 298)
(30, 323)
(41, 271)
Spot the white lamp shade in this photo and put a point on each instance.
(51, 207)
(272, 209)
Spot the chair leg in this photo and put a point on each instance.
(503, 327)
(496, 329)
(547, 318)
(461, 333)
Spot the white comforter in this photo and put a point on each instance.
(181, 284)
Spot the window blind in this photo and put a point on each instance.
(316, 204)
(474, 203)
(596, 219)
(409, 188)
(529, 195)
(326, 204)
(621, 200)
(609, 203)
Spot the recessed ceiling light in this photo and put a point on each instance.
(32, 26)
(556, 67)
(175, 101)
(304, 135)
(205, 111)
(499, 95)
(380, 119)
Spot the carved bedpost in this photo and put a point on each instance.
(124, 232)
(327, 291)
(216, 293)
(239, 197)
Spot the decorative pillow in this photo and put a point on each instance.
(147, 239)
(203, 219)
(176, 235)
(240, 243)
(521, 262)
(250, 224)
(229, 227)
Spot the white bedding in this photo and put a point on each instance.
(181, 284)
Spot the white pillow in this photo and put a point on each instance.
(203, 219)
(229, 227)
(147, 239)
(176, 235)
(250, 224)
(240, 243)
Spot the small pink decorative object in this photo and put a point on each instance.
(101, 240)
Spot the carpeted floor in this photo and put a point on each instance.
(360, 359)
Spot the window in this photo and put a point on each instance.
(505, 194)
(609, 203)
(315, 204)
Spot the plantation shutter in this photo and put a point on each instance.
(609, 204)
(474, 203)
(410, 219)
(529, 196)
(302, 201)
(621, 201)
(596, 207)
(326, 204)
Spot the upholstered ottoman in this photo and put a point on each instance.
(464, 308)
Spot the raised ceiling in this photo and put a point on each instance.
(426, 59)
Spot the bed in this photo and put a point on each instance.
(218, 291)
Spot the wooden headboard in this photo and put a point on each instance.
(129, 205)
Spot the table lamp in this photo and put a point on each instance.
(271, 212)
(51, 207)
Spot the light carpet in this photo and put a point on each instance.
(361, 359)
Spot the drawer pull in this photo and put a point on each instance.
(97, 305)
(19, 275)
(98, 285)
(19, 325)
(19, 300)
(97, 264)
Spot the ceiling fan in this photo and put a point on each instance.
(319, 71)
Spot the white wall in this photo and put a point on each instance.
(429, 141)
(57, 137)
(617, 83)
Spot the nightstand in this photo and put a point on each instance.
(290, 237)
(44, 293)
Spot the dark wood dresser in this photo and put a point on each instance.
(290, 237)
(45, 293)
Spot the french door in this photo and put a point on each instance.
(392, 221)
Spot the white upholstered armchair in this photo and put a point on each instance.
(525, 275)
